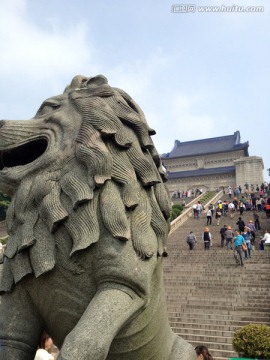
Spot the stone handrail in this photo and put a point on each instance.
(188, 212)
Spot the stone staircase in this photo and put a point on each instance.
(208, 296)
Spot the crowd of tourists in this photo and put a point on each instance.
(251, 202)
(247, 189)
(240, 237)
(180, 194)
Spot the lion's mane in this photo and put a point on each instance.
(115, 178)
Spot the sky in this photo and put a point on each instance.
(197, 72)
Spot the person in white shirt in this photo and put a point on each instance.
(43, 354)
(266, 238)
(231, 209)
(199, 209)
(209, 217)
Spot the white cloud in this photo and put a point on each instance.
(44, 53)
(139, 76)
(172, 114)
(38, 61)
(179, 121)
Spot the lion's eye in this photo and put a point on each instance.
(47, 108)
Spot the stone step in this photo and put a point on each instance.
(180, 259)
(185, 261)
(206, 284)
(188, 259)
(199, 294)
(221, 326)
(225, 256)
(202, 276)
(205, 332)
(219, 304)
(230, 292)
(182, 298)
(210, 324)
(186, 264)
(252, 305)
(221, 315)
(215, 282)
(194, 277)
(226, 282)
(222, 342)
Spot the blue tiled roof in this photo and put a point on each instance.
(208, 146)
(201, 172)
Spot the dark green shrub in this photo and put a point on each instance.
(206, 197)
(3, 209)
(4, 240)
(253, 341)
(173, 215)
(4, 202)
(4, 197)
(177, 206)
(176, 211)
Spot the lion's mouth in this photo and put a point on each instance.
(23, 154)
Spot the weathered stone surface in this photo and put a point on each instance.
(88, 223)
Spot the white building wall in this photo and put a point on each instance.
(202, 182)
(249, 170)
(208, 161)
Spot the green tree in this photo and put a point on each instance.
(253, 341)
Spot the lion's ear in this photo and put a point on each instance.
(79, 82)
(97, 81)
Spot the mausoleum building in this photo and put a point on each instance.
(212, 163)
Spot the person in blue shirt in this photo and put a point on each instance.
(247, 237)
(238, 241)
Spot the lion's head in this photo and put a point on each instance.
(86, 158)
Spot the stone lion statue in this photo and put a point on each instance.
(87, 225)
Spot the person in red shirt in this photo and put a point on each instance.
(267, 210)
